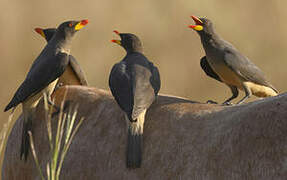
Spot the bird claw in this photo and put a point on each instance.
(211, 102)
(227, 104)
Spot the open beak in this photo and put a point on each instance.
(198, 24)
(115, 40)
(40, 31)
(81, 24)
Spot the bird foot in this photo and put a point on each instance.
(227, 104)
(211, 102)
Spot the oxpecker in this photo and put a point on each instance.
(73, 75)
(225, 63)
(134, 83)
(43, 76)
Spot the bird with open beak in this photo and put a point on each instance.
(43, 76)
(134, 83)
(226, 64)
(73, 75)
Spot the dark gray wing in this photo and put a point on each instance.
(143, 90)
(155, 78)
(40, 76)
(245, 68)
(78, 71)
(121, 87)
(208, 70)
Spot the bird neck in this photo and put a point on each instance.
(61, 43)
(135, 50)
(210, 39)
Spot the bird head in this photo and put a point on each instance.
(130, 42)
(46, 33)
(69, 28)
(202, 25)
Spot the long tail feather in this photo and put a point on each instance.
(135, 141)
(134, 150)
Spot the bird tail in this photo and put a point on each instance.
(135, 142)
(25, 143)
(134, 149)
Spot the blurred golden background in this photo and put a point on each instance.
(257, 28)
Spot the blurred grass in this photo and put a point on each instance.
(257, 28)
(60, 142)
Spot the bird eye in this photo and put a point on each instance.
(70, 25)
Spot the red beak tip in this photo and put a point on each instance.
(84, 22)
(196, 20)
(38, 30)
(117, 32)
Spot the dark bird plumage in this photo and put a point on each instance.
(135, 83)
(39, 77)
(229, 65)
(43, 75)
(207, 69)
(74, 75)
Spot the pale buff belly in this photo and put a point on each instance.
(260, 90)
(226, 74)
(33, 101)
(231, 78)
(69, 77)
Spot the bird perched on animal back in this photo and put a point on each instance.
(229, 65)
(43, 76)
(135, 83)
(73, 75)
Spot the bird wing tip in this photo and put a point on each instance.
(9, 106)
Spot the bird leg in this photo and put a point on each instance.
(234, 91)
(248, 93)
(51, 103)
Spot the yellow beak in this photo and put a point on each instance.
(196, 27)
(198, 24)
(40, 31)
(81, 24)
(116, 41)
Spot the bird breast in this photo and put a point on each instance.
(227, 75)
